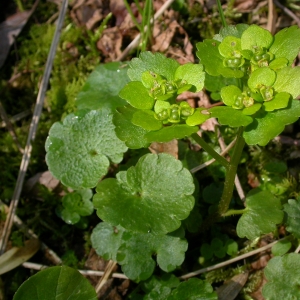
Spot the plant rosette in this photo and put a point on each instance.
(151, 95)
(263, 101)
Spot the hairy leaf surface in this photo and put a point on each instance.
(155, 62)
(267, 125)
(135, 251)
(103, 86)
(79, 148)
(283, 275)
(193, 289)
(262, 213)
(152, 196)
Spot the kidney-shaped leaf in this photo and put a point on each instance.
(155, 62)
(268, 125)
(193, 289)
(152, 196)
(132, 135)
(135, 251)
(287, 43)
(103, 86)
(78, 149)
(283, 275)
(59, 283)
(262, 213)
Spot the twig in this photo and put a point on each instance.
(32, 131)
(298, 249)
(38, 267)
(287, 11)
(10, 128)
(107, 273)
(136, 40)
(209, 162)
(271, 18)
(17, 117)
(230, 261)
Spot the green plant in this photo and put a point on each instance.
(148, 208)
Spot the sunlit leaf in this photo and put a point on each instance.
(103, 86)
(79, 148)
(262, 213)
(152, 196)
(135, 251)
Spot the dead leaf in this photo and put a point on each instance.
(230, 289)
(169, 147)
(110, 43)
(16, 256)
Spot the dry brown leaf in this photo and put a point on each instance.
(16, 256)
(88, 13)
(169, 147)
(243, 6)
(230, 289)
(110, 43)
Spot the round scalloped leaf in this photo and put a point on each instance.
(287, 43)
(229, 45)
(132, 135)
(255, 36)
(209, 56)
(56, 283)
(153, 196)
(156, 288)
(262, 76)
(283, 275)
(78, 149)
(74, 202)
(268, 125)
(292, 208)
(155, 62)
(231, 30)
(191, 74)
(135, 251)
(137, 95)
(281, 248)
(262, 213)
(107, 239)
(288, 81)
(145, 119)
(230, 116)
(169, 133)
(103, 86)
(193, 289)
(197, 117)
(229, 93)
(139, 265)
(281, 100)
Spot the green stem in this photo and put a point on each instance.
(232, 212)
(210, 150)
(231, 172)
(224, 23)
